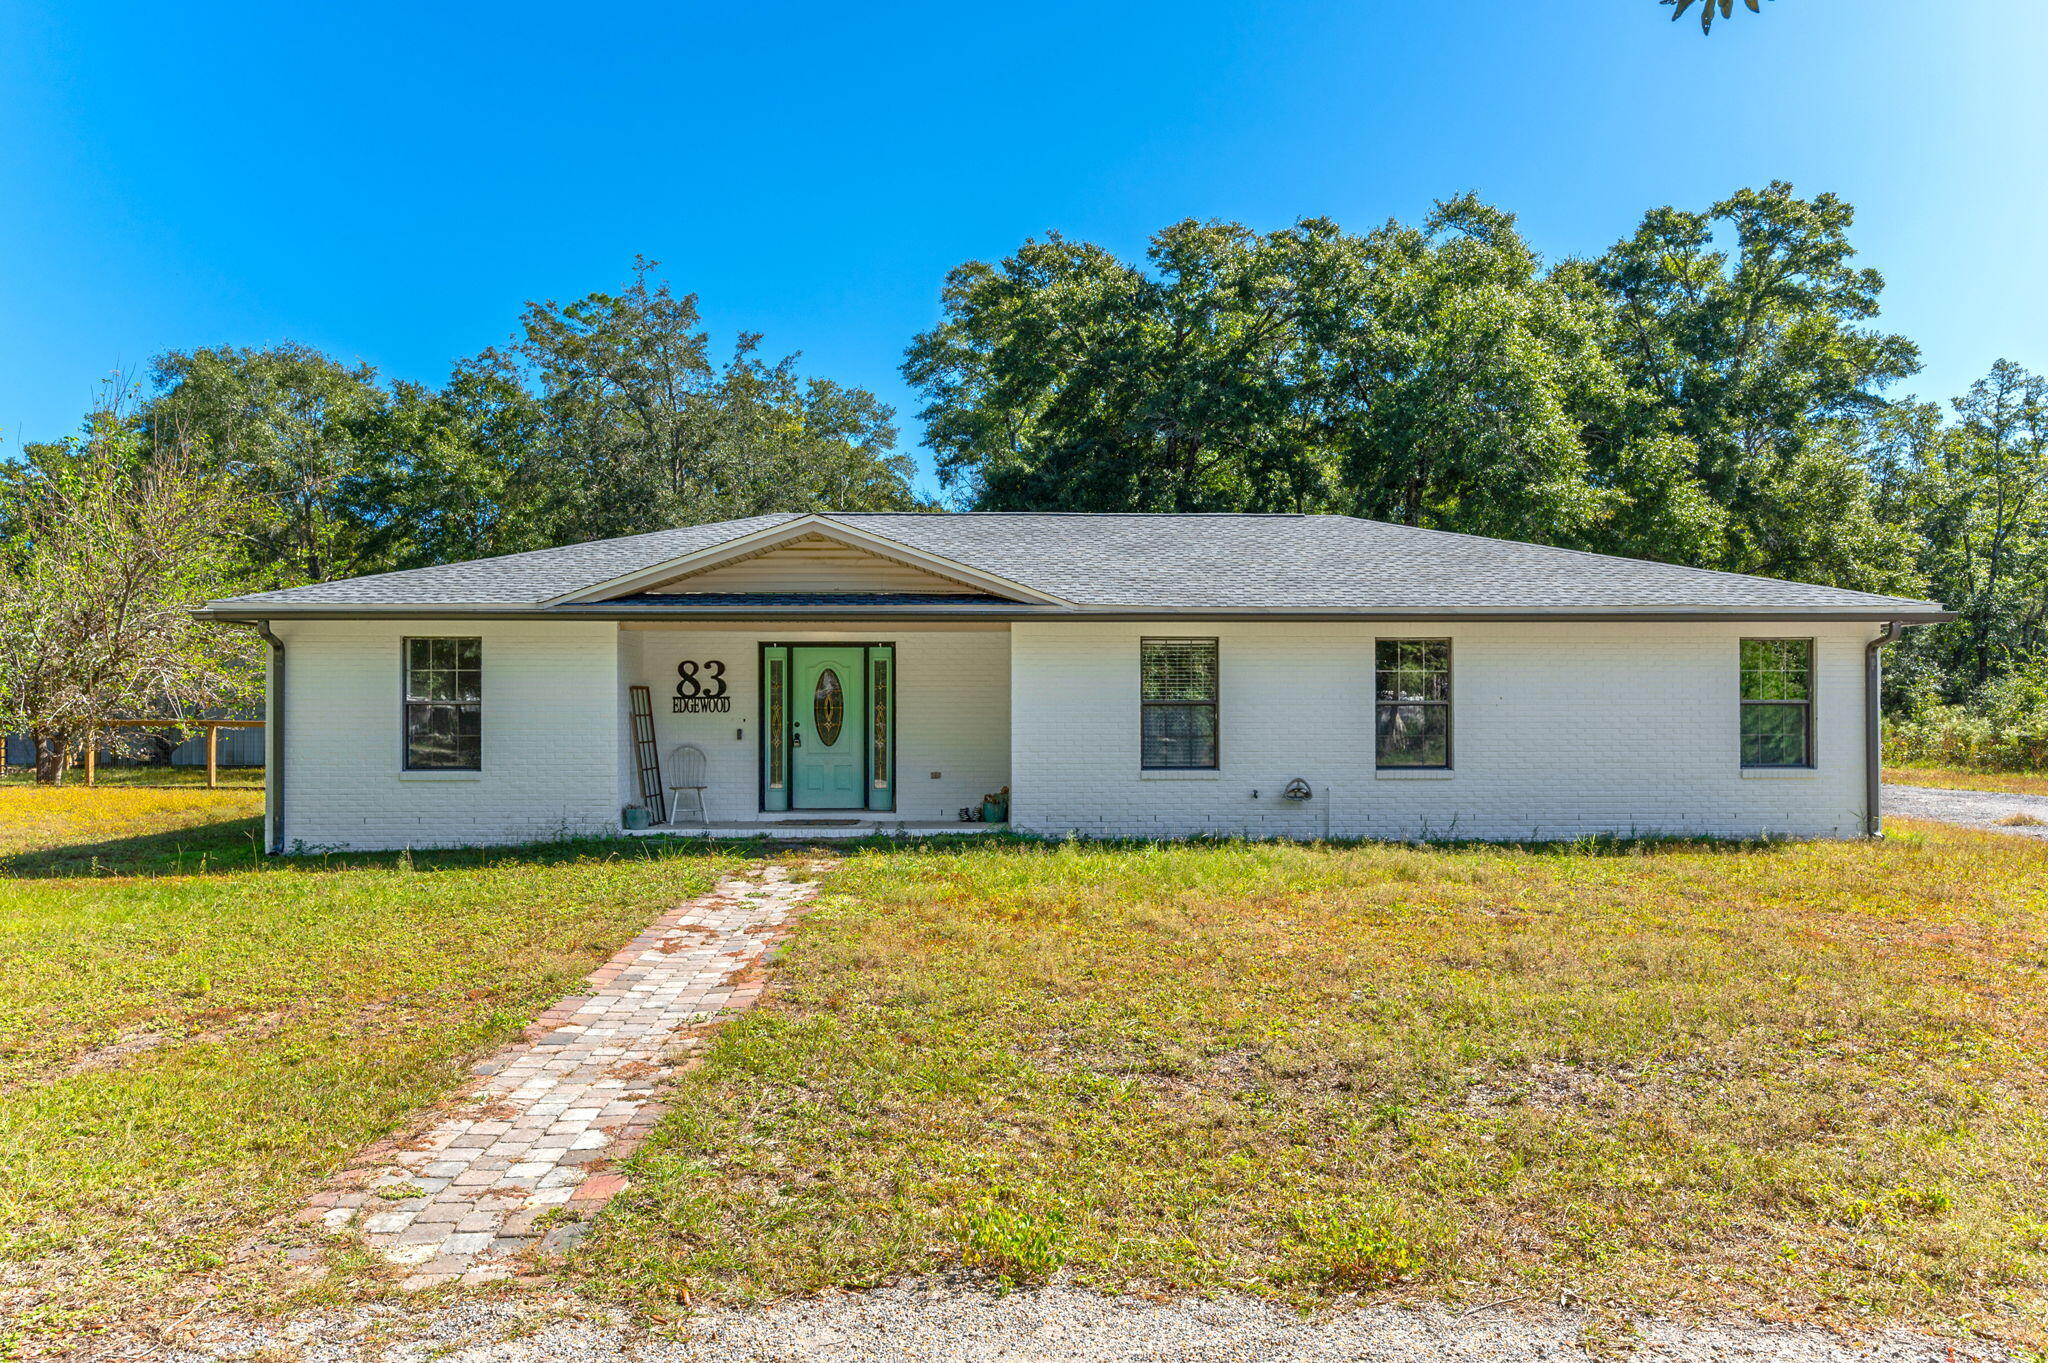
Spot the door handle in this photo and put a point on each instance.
(796, 736)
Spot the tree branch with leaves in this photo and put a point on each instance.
(111, 538)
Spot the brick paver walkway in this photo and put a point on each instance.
(522, 1161)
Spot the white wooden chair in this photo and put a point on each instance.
(687, 776)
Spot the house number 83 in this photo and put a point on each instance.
(705, 679)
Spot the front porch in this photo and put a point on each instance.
(894, 728)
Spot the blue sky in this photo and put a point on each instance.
(390, 181)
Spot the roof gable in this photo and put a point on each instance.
(809, 554)
(817, 564)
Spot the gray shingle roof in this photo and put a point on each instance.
(1138, 563)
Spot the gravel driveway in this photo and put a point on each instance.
(1970, 808)
(944, 1323)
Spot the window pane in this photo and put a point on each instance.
(879, 725)
(1414, 735)
(1412, 669)
(444, 669)
(828, 707)
(1179, 736)
(1177, 669)
(443, 736)
(775, 739)
(1774, 736)
(1777, 669)
(469, 737)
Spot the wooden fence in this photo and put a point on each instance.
(212, 727)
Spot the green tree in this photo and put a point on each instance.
(1455, 381)
(1755, 359)
(113, 537)
(287, 424)
(1975, 491)
(1429, 375)
(641, 430)
(460, 473)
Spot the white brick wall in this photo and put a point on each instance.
(550, 761)
(1559, 730)
(556, 748)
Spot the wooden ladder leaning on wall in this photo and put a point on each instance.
(646, 756)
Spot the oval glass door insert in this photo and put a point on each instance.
(828, 707)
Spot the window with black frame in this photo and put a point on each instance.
(1177, 693)
(1777, 702)
(1412, 703)
(444, 693)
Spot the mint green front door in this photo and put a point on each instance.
(828, 727)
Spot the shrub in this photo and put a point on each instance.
(2003, 728)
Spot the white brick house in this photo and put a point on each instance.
(1117, 675)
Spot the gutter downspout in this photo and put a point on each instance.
(1873, 737)
(273, 731)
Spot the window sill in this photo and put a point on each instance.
(1779, 773)
(440, 776)
(1412, 773)
(1180, 774)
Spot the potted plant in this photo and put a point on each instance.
(996, 808)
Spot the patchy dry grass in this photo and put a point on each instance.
(191, 1037)
(1801, 1080)
(38, 819)
(1950, 778)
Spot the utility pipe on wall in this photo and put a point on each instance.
(273, 761)
(1873, 733)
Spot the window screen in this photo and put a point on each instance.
(444, 680)
(1412, 702)
(1777, 702)
(1177, 693)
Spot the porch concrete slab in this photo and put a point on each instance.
(778, 828)
(560, 1111)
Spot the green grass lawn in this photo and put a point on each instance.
(1802, 1080)
(191, 1036)
(1949, 778)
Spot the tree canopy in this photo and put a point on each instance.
(1674, 398)
(607, 415)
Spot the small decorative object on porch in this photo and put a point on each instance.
(689, 781)
(996, 808)
(1297, 789)
(635, 816)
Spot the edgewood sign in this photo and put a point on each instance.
(701, 688)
